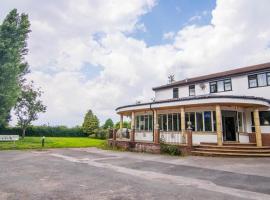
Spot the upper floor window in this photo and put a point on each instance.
(258, 80)
(175, 93)
(221, 86)
(192, 90)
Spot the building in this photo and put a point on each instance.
(231, 106)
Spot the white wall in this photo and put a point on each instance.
(239, 87)
(144, 136)
(198, 138)
(243, 138)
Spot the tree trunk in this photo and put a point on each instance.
(23, 133)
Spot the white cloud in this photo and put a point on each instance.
(66, 34)
(195, 18)
(169, 35)
(234, 38)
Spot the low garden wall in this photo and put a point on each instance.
(150, 147)
(265, 138)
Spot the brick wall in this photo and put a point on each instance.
(143, 147)
(265, 138)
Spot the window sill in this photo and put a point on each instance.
(220, 92)
(258, 87)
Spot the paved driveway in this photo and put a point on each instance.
(90, 173)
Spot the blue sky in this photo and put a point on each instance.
(166, 16)
(171, 16)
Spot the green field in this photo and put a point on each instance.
(53, 142)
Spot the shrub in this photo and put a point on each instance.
(169, 149)
(101, 133)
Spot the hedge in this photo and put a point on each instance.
(48, 131)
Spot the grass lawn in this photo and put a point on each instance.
(53, 142)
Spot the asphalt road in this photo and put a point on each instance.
(90, 173)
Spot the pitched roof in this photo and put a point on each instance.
(238, 71)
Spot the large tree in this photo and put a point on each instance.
(13, 47)
(108, 124)
(29, 106)
(90, 123)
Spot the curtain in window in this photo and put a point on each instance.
(252, 81)
(220, 86)
(228, 85)
(262, 80)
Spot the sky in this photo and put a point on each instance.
(101, 54)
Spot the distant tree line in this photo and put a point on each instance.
(48, 131)
(90, 128)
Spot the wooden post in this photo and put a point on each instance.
(114, 134)
(257, 128)
(156, 128)
(132, 137)
(183, 124)
(219, 125)
(121, 125)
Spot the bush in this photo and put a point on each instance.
(169, 149)
(48, 131)
(101, 133)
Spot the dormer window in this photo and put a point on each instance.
(192, 90)
(175, 93)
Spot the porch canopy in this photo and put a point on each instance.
(215, 101)
(205, 100)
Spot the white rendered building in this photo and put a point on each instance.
(230, 106)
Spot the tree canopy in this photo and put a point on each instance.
(125, 125)
(28, 106)
(90, 123)
(108, 124)
(13, 47)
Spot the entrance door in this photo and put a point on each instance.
(229, 126)
(229, 123)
